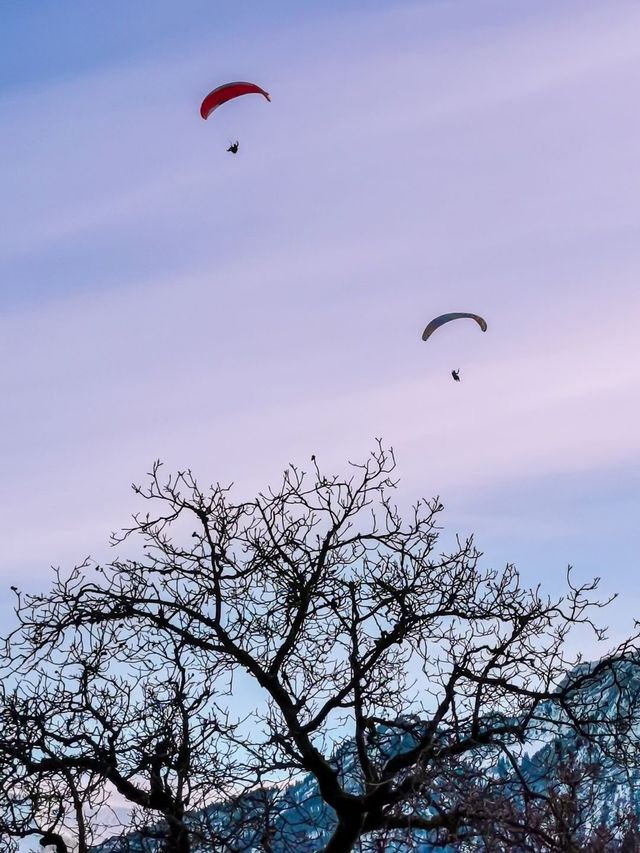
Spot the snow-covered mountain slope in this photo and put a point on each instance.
(610, 788)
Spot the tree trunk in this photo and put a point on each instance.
(178, 839)
(345, 836)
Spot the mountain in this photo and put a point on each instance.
(554, 765)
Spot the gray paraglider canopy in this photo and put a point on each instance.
(446, 318)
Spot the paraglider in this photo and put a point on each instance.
(446, 318)
(227, 92)
(233, 148)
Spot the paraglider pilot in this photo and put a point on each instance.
(456, 374)
(233, 148)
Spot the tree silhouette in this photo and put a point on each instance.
(346, 626)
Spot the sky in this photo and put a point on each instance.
(161, 298)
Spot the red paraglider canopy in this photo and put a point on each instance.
(227, 92)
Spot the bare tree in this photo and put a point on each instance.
(348, 624)
(107, 712)
(565, 800)
(50, 806)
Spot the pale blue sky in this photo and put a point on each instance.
(161, 298)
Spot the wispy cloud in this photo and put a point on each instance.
(164, 299)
